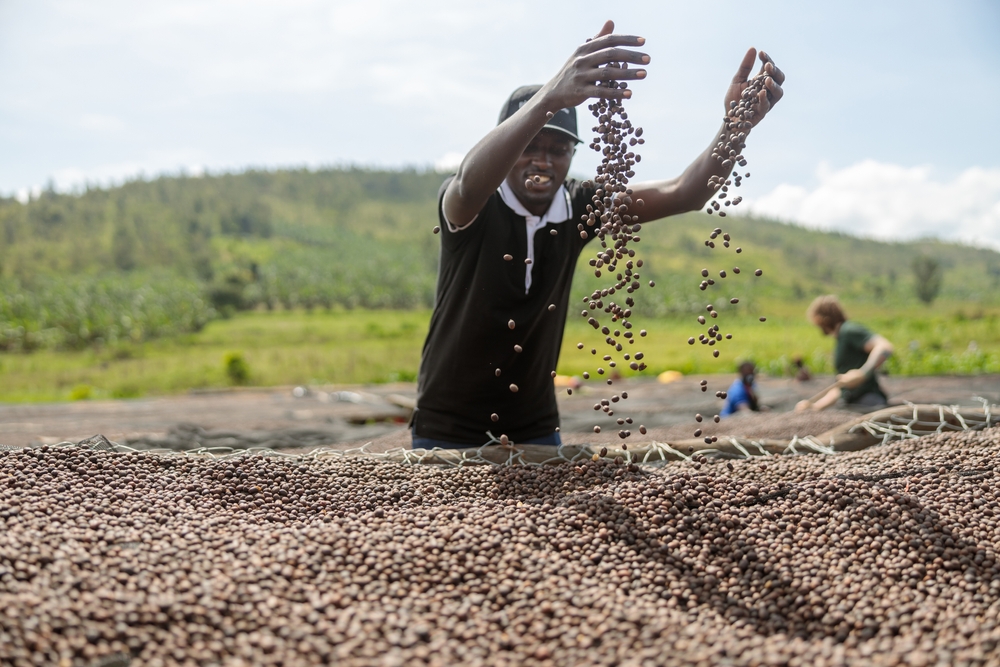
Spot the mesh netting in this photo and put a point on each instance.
(878, 428)
(920, 420)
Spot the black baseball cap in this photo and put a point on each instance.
(563, 120)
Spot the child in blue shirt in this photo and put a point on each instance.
(742, 394)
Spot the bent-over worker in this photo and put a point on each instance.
(858, 355)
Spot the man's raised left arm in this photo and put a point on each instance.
(690, 190)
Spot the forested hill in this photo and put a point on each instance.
(358, 237)
(293, 233)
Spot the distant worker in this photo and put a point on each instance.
(859, 353)
(742, 394)
(802, 373)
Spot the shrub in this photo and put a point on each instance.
(81, 392)
(237, 369)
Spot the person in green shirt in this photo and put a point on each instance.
(858, 354)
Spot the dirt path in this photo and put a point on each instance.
(284, 417)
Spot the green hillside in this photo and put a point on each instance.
(152, 258)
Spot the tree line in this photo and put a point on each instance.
(360, 238)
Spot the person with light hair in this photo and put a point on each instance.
(858, 355)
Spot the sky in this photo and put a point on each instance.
(887, 128)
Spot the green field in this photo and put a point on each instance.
(327, 276)
(373, 346)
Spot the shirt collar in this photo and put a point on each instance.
(559, 209)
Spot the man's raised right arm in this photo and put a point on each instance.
(490, 161)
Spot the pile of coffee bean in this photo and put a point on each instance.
(744, 424)
(886, 556)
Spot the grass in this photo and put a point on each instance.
(278, 348)
(928, 341)
(365, 346)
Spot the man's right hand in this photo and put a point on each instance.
(586, 73)
(584, 76)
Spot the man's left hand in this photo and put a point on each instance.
(767, 97)
(852, 379)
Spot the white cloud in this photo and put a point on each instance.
(889, 201)
(449, 161)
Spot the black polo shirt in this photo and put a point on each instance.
(478, 293)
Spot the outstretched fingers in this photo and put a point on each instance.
(609, 41)
(608, 93)
(619, 74)
(614, 55)
(743, 73)
(770, 68)
(774, 90)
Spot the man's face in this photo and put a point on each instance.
(548, 156)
